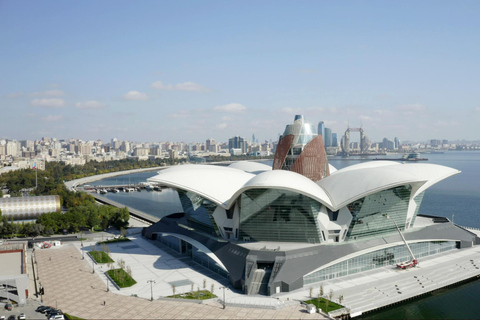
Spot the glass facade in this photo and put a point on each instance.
(418, 200)
(377, 259)
(201, 258)
(193, 252)
(278, 215)
(369, 213)
(198, 211)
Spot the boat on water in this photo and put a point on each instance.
(413, 156)
(149, 187)
(129, 189)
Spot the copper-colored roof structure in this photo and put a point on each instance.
(301, 150)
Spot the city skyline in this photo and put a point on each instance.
(189, 71)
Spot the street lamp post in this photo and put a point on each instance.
(83, 251)
(224, 302)
(151, 288)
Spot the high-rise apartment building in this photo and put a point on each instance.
(237, 142)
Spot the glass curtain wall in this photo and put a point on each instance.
(418, 200)
(198, 211)
(369, 213)
(379, 258)
(278, 215)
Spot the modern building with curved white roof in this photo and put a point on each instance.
(272, 231)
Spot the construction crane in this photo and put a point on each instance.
(406, 264)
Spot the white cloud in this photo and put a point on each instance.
(48, 103)
(185, 86)
(231, 108)
(49, 93)
(52, 118)
(221, 126)
(443, 123)
(14, 95)
(411, 108)
(90, 105)
(190, 86)
(292, 110)
(180, 114)
(160, 86)
(135, 95)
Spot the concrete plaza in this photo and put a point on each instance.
(70, 284)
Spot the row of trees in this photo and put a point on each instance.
(89, 215)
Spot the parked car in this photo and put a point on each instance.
(8, 306)
(22, 316)
(11, 317)
(57, 317)
(41, 309)
(53, 312)
(47, 309)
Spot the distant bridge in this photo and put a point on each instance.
(364, 142)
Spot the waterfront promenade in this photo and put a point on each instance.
(72, 184)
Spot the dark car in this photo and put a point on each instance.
(53, 312)
(41, 308)
(47, 309)
(8, 306)
(12, 317)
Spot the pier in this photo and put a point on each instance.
(134, 212)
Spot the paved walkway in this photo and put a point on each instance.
(70, 284)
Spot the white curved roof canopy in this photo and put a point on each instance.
(214, 183)
(250, 166)
(286, 180)
(358, 181)
(223, 185)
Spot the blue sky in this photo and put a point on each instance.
(192, 70)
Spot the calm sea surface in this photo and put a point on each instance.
(457, 197)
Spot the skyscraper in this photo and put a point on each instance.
(237, 142)
(334, 140)
(321, 130)
(327, 139)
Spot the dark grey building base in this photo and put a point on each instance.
(270, 268)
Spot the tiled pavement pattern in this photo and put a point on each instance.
(69, 283)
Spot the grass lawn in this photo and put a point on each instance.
(121, 278)
(322, 305)
(100, 256)
(195, 295)
(69, 316)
